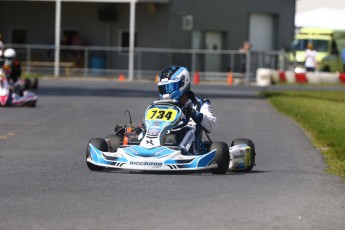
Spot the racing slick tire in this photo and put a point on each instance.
(222, 157)
(27, 84)
(9, 99)
(252, 151)
(100, 144)
(34, 83)
(32, 104)
(114, 142)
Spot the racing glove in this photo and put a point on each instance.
(189, 111)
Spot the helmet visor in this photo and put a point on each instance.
(169, 87)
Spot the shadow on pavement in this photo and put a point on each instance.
(194, 173)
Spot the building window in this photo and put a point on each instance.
(69, 37)
(18, 36)
(124, 39)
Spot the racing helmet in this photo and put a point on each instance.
(10, 53)
(173, 82)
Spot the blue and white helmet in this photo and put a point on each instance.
(173, 82)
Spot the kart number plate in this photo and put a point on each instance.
(161, 114)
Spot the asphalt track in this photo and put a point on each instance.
(45, 184)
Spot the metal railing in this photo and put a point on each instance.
(111, 61)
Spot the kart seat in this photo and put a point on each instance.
(170, 139)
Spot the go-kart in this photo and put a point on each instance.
(13, 95)
(153, 147)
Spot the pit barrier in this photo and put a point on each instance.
(265, 77)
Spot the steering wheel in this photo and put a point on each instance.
(183, 123)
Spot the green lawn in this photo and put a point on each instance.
(32, 75)
(322, 114)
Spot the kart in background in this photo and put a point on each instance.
(13, 95)
(153, 147)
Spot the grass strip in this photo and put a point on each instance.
(31, 75)
(322, 114)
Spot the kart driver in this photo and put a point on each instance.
(12, 66)
(13, 70)
(174, 83)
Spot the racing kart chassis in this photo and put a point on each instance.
(15, 95)
(151, 152)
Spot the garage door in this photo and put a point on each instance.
(261, 31)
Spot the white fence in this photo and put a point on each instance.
(111, 61)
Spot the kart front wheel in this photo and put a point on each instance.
(100, 144)
(222, 157)
(32, 104)
(114, 142)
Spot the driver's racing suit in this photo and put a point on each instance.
(14, 70)
(186, 136)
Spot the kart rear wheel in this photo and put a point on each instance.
(27, 84)
(100, 144)
(114, 142)
(35, 83)
(222, 157)
(250, 143)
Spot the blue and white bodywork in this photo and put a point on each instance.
(151, 153)
(157, 158)
(154, 152)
